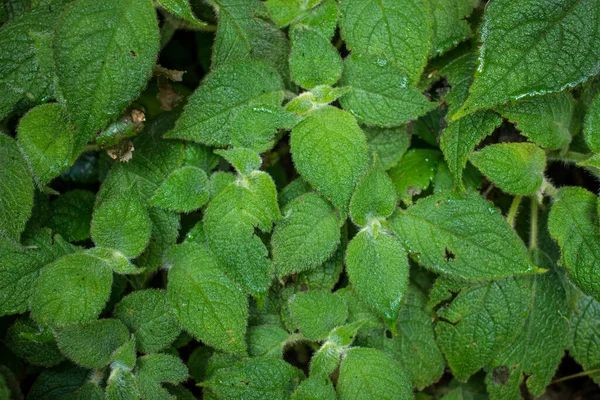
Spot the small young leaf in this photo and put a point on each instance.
(459, 139)
(390, 144)
(371, 371)
(57, 292)
(451, 233)
(518, 58)
(546, 120)
(182, 9)
(449, 23)
(308, 234)
(327, 275)
(165, 230)
(47, 139)
(200, 156)
(148, 316)
(389, 29)
(313, 59)
(209, 112)
(122, 386)
(381, 93)
(34, 343)
(16, 189)
(197, 285)
(315, 389)
(243, 160)
(284, 12)
(573, 222)
(591, 129)
(516, 168)
(266, 340)
(377, 267)
(414, 172)
(115, 259)
(374, 197)
(154, 369)
(91, 344)
(254, 379)
(71, 215)
(185, 190)
(317, 313)
(122, 223)
(104, 54)
(330, 152)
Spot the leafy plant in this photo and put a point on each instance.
(299, 199)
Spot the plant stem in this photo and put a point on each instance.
(570, 157)
(578, 375)
(533, 230)
(514, 208)
(91, 147)
(549, 189)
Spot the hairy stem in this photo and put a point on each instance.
(512, 212)
(533, 230)
(578, 375)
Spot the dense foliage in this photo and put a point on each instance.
(307, 199)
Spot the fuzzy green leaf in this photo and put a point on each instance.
(449, 23)
(399, 31)
(380, 92)
(323, 18)
(584, 338)
(516, 168)
(122, 386)
(16, 189)
(573, 222)
(414, 172)
(91, 344)
(591, 128)
(184, 190)
(57, 292)
(154, 369)
(71, 215)
(462, 236)
(115, 259)
(521, 56)
(104, 53)
(47, 139)
(459, 139)
(546, 120)
(60, 383)
(255, 127)
(317, 313)
(148, 316)
(266, 340)
(326, 275)
(371, 371)
(243, 160)
(208, 115)
(122, 223)
(308, 234)
(313, 59)
(315, 389)
(330, 152)
(390, 144)
(34, 343)
(182, 9)
(197, 286)
(377, 266)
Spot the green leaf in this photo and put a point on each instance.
(516, 168)
(16, 189)
(148, 316)
(308, 234)
(200, 156)
(124, 358)
(313, 59)
(71, 215)
(390, 144)
(317, 313)
(459, 139)
(115, 259)
(34, 343)
(23, 80)
(315, 389)
(122, 223)
(242, 35)
(197, 286)
(414, 345)
(122, 386)
(165, 230)
(371, 371)
(414, 172)
(573, 222)
(266, 340)
(184, 190)
(330, 152)
(255, 127)
(584, 338)
(326, 275)
(546, 120)
(591, 129)
(104, 56)
(381, 93)
(284, 12)
(182, 9)
(459, 71)
(323, 18)
(374, 197)
(243, 160)
(91, 344)
(209, 113)
(540, 344)
(20, 267)
(229, 224)
(255, 379)
(61, 383)
(481, 321)
(154, 369)
(57, 292)
(449, 23)
(397, 31)
(377, 266)
(47, 139)
(462, 236)
(520, 57)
